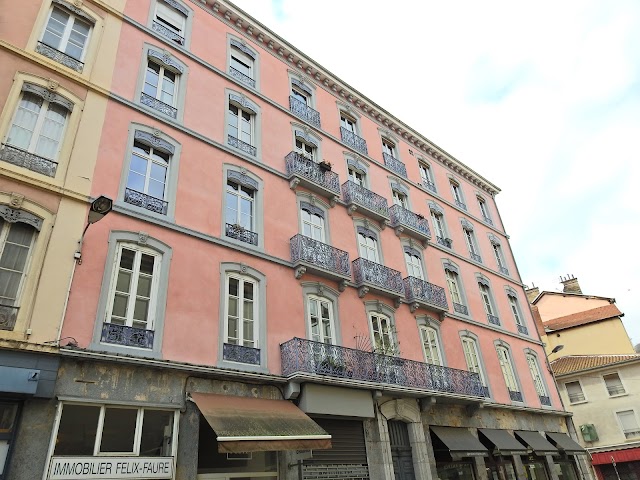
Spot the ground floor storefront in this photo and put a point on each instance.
(618, 464)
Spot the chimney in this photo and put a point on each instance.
(571, 284)
(532, 292)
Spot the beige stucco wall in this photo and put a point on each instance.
(558, 305)
(605, 337)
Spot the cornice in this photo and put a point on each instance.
(260, 34)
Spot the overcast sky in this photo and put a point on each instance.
(541, 98)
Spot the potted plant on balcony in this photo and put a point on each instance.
(420, 216)
(325, 166)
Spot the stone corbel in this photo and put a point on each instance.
(384, 224)
(293, 183)
(351, 209)
(333, 201)
(399, 231)
(342, 285)
(473, 408)
(414, 306)
(362, 291)
(300, 271)
(396, 302)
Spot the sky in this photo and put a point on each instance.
(541, 98)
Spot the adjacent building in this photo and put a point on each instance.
(292, 283)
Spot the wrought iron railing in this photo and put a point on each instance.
(300, 165)
(238, 232)
(142, 200)
(544, 400)
(401, 217)
(353, 140)
(60, 57)
(504, 270)
(8, 316)
(462, 205)
(394, 164)
(245, 147)
(354, 193)
(320, 254)
(240, 354)
(487, 220)
(306, 356)
(241, 77)
(304, 111)
(632, 433)
(475, 256)
(31, 161)
(127, 336)
(576, 397)
(417, 289)
(429, 185)
(445, 242)
(459, 308)
(167, 32)
(156, 104)
(366, 271)
(493, 319)
(523, 330)
(515, 396)
(485, 391)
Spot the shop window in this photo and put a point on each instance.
(8, 417)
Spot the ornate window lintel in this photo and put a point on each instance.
(47, 95)
(166, 59)
(154, 140)
(13, 215)
(243, 179)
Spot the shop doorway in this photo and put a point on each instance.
(401, 450)
(535, 470)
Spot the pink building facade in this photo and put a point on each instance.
(278, 241)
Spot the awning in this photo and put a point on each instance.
(536, 442)
(247, 424)
(618, 456)
(565, 443)
(459, 441)
(503, 442)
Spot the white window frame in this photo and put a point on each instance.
(453, 283)
(536, 375)
(387, 336)
(157, 17)
(238, 126)
(469, 356)
(4, 234)
(413, 263)
(150, 161)
(584, 396)
(366, 249)
(508, 371)
(318, 300)
(242, 58)
(458, 196)
(439, 225)
(400, 198)
(161, 80)
(242, 279)
(500, 261)
(471, 242)
(389, 147)
(487, 299)
(239, 195)
(297, 92)
(320, 226)
(604, 380)
(484, 209)
(67, 32)
(514, 304)
(636, 431)
(357, 177)
(426, 175)
(306, 149)
(349, 122)
(430, 340)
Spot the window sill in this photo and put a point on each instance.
(123, 350)
(144, 212)
(625, 394)
(244, 367)
(579, 403)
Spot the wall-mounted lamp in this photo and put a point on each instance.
(98, 209)
(557, 348)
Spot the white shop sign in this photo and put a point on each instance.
(107, 468)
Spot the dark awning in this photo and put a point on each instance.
(536, 442)
(247, 424)
(565, 443)
(460, 442)
(503, 442)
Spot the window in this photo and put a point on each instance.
(37, 130)
(470, 238)
(382, 332)
(414, 263)
(439, 225)
(312, 219)
(508, 373)
(426, 175)
(484, 210)
(320, 312)
(368, 244)
(243, 62)
(517, 313)
(456, 190)
(300, 95)
(305, 149)
(389, 148)
(147, 179)
(356, 176)
(613, 384)
(538, 382)
(574, 390)
(451, 274)
(240, 308)
(430, 345)
(629, 423)
(472, 357)
(239, 215)
(349, 133)
(497, 252)
(400, 198)
(241, 124)
(65, 37)
(306, 144)
(170, 20)
(487, 302)
(348, 123)
(301, 100)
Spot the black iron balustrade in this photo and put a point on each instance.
(304, 111)
(445, 242)
(31, 161)
(475, 256)
(238, 232)
(245, 147)
(127, 336)
(240, 354)
(394, 164)
(416, 224)
(523, 330)
(60, 57)
(417, 290)
(8, 316)
(429, 185)
(493, 319)
(372, 274)
(462, 205)
(306, 356)
(355, 194)
(515, 396)
(156, 104)
(167, 32)
(298, 164)
(353, 140)
(504, 270)
(485, 391)
(487, 220)
(545, 400)
(142, 200)
(312, 253)
(241, 77)
(459, 308)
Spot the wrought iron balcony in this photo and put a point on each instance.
(242, 78)
(462, 205)
(353, 140)
(240, 354)
(127, 336)
(504, 270)
(31, 161)
(523, 330)
(369, 203)
(445, 242)
(475, 256)
(167, 32)
(142, 200)
(429, 185)
(412, 224)
(60, 57)
(300, 356)
(485, 391)
(239, 144)
(459, 308)
(425, 294)
(156, 104)
(395, 165)
(8, 316)
(304, 171)
(304, 111)
(515, 396)
(316, 257)
(487, 220)
(544, 400)
(238, 232)
(371, 276)
(493, 319)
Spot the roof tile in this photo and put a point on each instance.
(577, 363)
(582, 318)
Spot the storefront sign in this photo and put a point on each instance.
(107, 468)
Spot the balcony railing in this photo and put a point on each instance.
(395, 165)
(632, 433)
(353, 140)
(145, 201)
(412, 223)
(241, 77)
(240, 354)
(615, 390)
(475, 256)
(459, 308)
(445, 242)
(515, 396)
(307, 170)
(156, 104)
(504, 270)
(356, 195)
(487, 220)
(31, 161)
(417, 290)
(127, 336)
(373, 275)
(60, 57)
(462, 205)
(485, 392)
(316, 255)
(493, 319)
(8, 317)
(576, 397)
(167, 32)
(305, 356)
(429, 185)
(245, 147)
(304, 111)
(523, 330)
(237, 232)
(544, 400)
